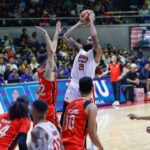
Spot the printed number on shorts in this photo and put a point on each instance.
(56, 144)
(70, 121)
(3, 130)
(42, 90)
(81, 66)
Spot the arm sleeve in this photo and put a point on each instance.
(23, 131)
(22, 141)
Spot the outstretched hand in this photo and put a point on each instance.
(41, 30)
(132, 116)
(58, 26)
(92, 16)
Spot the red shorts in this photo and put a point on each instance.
(73, 147)
(52, 116)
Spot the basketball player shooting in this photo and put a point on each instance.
(47, 79)
(85, 61)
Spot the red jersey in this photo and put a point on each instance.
(10, 129)
(114, 71)
(75, 124)
(48, 89)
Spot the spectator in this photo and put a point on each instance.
(2, 66)
(24, 38)
(79, 7)
(34, 40)
(14, 75)
(148, 60)
(34, 63)
(27, 76)
(53, 18)
(35, 77)
(109, 5)
(126, 68)
(132, 77)
(63, 71)
(132, 80)
(97, 7)
(6, 41)
(8, 52)
(144, 10)
(106, 57)
(45, 19)
(144, 77)
(7, 72)
(12, 63)
(24, 64)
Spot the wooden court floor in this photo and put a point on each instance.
(118, 132)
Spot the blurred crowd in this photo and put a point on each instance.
(47, 10)
(18, 59)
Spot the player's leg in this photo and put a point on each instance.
(52, 116)
(118, 90)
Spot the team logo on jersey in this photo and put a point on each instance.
(73, 111)
(82, 59)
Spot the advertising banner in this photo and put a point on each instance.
(8, 93)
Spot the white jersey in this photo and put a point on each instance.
(84, 65)
(53, 135)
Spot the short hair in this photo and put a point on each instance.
(42, 57)
(19, 109)
(23, 99)
(40, 106)
(85, 85)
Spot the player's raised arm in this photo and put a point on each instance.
(47, 40)
(49, 57)
(70, 41)
(92, 127)
(56, 35)
(96, 44)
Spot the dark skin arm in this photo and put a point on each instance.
(96, 44)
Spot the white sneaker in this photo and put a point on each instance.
(116, 103)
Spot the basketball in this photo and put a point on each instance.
(85, 15)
